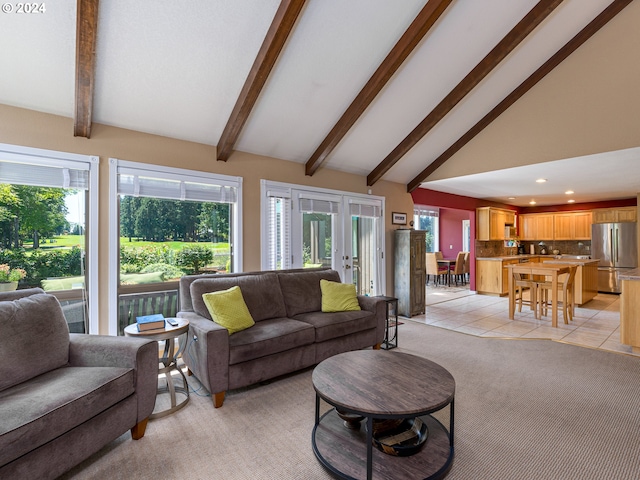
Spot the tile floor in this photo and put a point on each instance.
(595, 324)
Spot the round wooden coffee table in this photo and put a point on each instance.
(378, 384)
(169, 361)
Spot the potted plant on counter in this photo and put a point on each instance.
(9, 277)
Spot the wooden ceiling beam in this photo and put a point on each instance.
(537, 14)
(572, 45)
(281, 26)
(423, 22)
(86, 34)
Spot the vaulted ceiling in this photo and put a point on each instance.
(386, 89)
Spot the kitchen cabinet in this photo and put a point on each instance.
(492, 274)
(491, 223)
(615, 215)
(536, 226)
(572, 226)
(410, 271)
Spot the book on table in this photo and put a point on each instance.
(150, 322)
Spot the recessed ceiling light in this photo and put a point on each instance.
(571, 201)
(569, 192)
(541, 180)
(532, 202)
(511, 198)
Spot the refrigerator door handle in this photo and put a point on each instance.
(611, 247)
(616, 247)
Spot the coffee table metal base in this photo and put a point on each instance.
(341, 451)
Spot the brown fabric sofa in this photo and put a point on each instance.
(291, 332)
(64, 396)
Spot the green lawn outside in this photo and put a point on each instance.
(68, 241)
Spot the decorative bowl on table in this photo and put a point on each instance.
(351, 420)
(400, 437)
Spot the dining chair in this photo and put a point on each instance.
(458, 269)
(439, 255)
(565, 285)
(434, 269)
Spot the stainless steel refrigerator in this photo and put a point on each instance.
(616, 246)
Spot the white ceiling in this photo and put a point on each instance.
(176, 69)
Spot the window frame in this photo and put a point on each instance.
(53, 158)
(171, 173)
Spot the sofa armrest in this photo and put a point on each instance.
(207, 354)
(379, 308)
(125, 352)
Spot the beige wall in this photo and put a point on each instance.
(32, 129)
(588, 104)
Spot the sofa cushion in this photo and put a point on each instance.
(338, 324)
(227, 308)
(261, 293)
(268, 337)
(301, 290)
(338, 297)
(43, 408)
(35, 338)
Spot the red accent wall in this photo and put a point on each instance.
(451, 231)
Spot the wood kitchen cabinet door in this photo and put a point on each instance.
(544, 225)
(582, 226)
(612, 215)
(564, 226)
(527, 227)
(572, 226)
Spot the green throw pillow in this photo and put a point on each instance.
(338, 297)
(227, 308)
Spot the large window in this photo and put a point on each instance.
(48, 201)
(427, 219)
(169, 223)
(306, 227)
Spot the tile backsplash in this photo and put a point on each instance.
(497, 248)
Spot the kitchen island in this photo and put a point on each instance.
(585, 284)
(630, 309)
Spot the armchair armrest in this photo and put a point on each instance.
(207, 354)
(126, 352)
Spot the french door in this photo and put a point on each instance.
(319, 228)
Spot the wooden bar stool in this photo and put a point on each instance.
(566, 286)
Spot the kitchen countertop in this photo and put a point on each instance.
(572, 261)
(511, 257)
(630, 275)
(546, 258)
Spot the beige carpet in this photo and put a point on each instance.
(525, 409)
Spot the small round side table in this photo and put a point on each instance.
(168, 361)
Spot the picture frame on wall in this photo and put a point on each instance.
(398, 218)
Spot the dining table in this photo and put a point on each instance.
(447, 262)
(534, 269)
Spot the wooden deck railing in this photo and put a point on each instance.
(133, 301)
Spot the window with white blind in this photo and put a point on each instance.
(48, 199)
(168, 222)
(276, 238)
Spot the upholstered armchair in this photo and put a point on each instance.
(64, 396)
